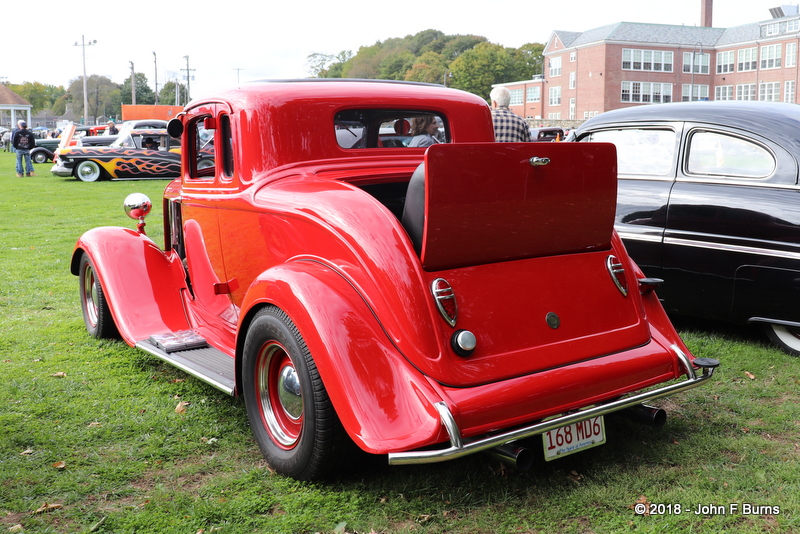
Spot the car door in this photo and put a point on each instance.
(646, 168)
(732, 241)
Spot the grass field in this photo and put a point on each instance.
(90, 440)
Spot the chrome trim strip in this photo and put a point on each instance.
(742, 249)
(640, 237)
(762, 320)
(449, 423)
(471, 447)
(685, 361)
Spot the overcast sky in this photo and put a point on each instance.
(227, 44)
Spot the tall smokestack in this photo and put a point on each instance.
(707, 6)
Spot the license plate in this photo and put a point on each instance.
(573, 438)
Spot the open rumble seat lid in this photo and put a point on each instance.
(492, 202)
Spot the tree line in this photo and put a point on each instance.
(467, 62)
(104, 97)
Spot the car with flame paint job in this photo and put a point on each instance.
(128, 157)
(422, 304)
(706, 201)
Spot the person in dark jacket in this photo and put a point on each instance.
(23, 142)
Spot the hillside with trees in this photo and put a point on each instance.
(467, 62)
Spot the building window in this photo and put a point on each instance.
(746, 91)
(747, 59)
(771, 56)
(769, 91)
(791, 54)
(534, 94)
(555, 96)
(725, 62)
(697, 92)
(793, 25)
(723, 92)
(647, 60)
(572, 109)
(573, 56)
(555, 66)
(773, 29)
(695, 62)
(516, 97)
(788, 92)
(646, 92)
(572, 79)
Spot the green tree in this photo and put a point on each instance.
(40, 96)
(103, 98)
(430, 67)
(477, 69)
(172, 93)
(528, 61)
(144, 94)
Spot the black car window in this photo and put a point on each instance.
(718, 154)
(648, 151)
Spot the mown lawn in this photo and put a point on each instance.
(90, 440)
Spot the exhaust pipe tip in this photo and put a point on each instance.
(648, 415)
(519, 458)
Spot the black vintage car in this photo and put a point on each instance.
(709, 201)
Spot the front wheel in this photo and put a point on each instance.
(96, 313)
(88, 171)
(290, 413)
(40, 157)
(787, 338)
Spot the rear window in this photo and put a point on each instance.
(641, 151)
(715, 153)
(371, 128)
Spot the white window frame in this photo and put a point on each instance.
(516, 97)
(573, 79)
(698, 92)
(554, 96)
(724, 92)
(572, 108)
(791, 55)
(555, 66)
(726, 61)
(746, 91)
(788, 91)
(534, 94)
(696, 62)
(645, 92)
(747, 59)
(771, 56)
(647, 60)
(769, 91)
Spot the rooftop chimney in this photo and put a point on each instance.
(707, 6)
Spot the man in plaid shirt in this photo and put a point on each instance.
(508, 126)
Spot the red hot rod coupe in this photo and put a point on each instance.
(419, 303)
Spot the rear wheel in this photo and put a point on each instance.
(96, 313)
(290, 413)
(787, 338)
(88, 171)
(40, 157)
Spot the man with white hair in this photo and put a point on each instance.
(23, 142)
(508, 126)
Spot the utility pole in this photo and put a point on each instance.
(188, 79)
(83, 44)
(237, 75)
(133, 85)
(155, 62)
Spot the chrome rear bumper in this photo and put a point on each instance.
(460, 447)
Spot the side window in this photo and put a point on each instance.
(642, 151)
(226, 140)
(201, 139)
(714, 153)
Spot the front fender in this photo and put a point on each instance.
(142, 285)
(384, 403)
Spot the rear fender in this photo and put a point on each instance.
(141, 283)
(384, 403)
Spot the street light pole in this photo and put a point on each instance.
(155, 62)
(83, 44)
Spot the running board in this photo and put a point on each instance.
(207, 364)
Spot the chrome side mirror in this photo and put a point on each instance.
(137, 207)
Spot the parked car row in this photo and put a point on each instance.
(353, 294)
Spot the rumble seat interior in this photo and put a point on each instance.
(414, 208)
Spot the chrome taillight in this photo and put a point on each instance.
(445, 299)
(617, 272)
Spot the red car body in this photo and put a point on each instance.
(510, 310)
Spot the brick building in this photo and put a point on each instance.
(627, 64)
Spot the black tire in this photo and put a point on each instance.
(40, 157)
(290, 413)
(787, 338)
(88, 171)
(96, 313)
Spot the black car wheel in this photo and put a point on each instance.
(290, 413)
(88, 171)
(787, 338)
(96, 313)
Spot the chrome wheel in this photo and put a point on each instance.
(279, 395)
(88, 171)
